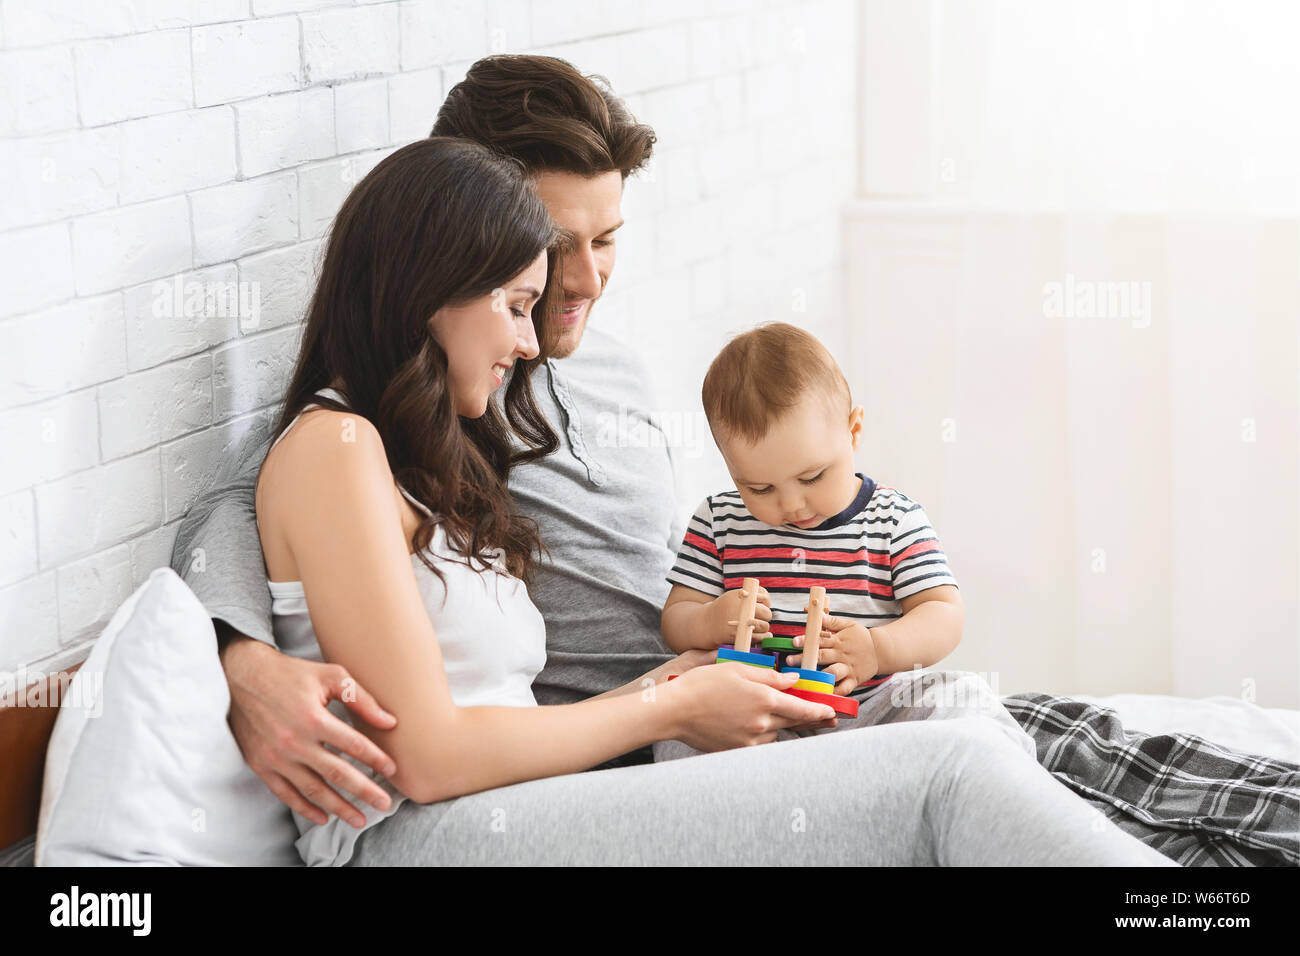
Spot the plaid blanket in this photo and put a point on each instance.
(1194, 801)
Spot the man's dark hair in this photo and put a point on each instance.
(541, 111)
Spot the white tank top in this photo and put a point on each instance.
(492, 639)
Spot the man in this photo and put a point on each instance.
(606, 514)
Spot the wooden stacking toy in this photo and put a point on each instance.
(813, 684)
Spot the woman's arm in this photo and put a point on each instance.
(333, 504)
(676, 667)
(278, 714)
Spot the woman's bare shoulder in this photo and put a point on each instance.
(323, 434)
(326, 453)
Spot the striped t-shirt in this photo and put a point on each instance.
(868, 557)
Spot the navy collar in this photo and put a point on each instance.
(853, 510)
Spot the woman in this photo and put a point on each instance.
(392, 549)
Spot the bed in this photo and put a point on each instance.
(1210, 782)
(1228, 721)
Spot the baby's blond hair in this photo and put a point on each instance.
(763, 373)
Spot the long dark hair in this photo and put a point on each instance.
(439, 222)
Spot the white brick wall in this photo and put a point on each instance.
(152, 148)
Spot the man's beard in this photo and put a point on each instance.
(571, 338)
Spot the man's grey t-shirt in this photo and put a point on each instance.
(608, 515)
(604, 503)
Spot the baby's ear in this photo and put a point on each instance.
(855, 424)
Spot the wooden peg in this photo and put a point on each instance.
(745, 623)
(812, 634)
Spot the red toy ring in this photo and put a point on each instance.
(846, 706)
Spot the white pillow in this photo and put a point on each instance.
(142, 767)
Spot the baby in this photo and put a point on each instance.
(782, 416)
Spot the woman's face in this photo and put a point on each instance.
(484, 337)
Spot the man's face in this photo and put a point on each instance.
(588, 208)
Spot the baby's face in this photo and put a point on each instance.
(801, 472)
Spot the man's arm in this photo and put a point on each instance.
(217, 551)
(278, 713)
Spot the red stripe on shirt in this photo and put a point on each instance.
(704, 544)
(921, 547)
(788, 554)
(803, 584)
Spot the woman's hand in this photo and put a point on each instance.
(731, 705)
(280, 721)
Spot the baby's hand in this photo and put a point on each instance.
(724, 611)
(846, 651)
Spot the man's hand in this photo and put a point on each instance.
(847, 652)
(280, 721)
(721, 614)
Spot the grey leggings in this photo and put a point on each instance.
(932, 792)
